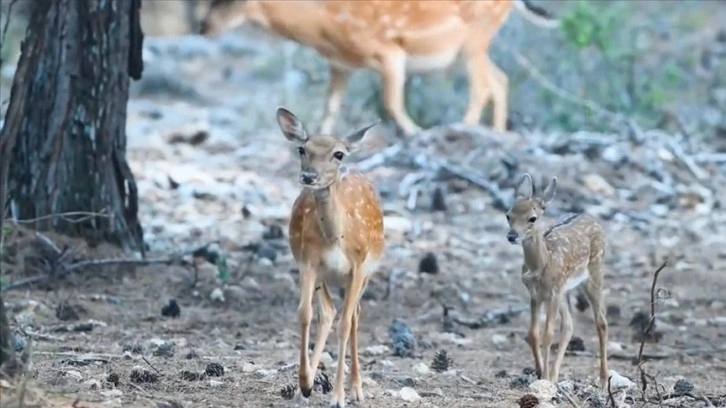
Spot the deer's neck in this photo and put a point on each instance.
(328, 215)
(295, 20)
(536, 254)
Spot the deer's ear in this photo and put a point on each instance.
(354, 140)
(524, 187)
(549, 192)
(291, 126)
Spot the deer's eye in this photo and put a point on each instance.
(338, 155)
(532, 220)
(301, 150)
(508, 217)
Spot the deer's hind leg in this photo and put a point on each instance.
(593, 291)
(566, 329)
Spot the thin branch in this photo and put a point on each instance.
(651, 323)
(86, 215)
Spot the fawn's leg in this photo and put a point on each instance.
(356, 382)
(477, 65)
(305, 316)
(549, 331)
(565, 336)
(325, 323)
(393, 72)
(534, 343)
(593, 291)
(352, 294)
(336, 92)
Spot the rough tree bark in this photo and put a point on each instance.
(71, 151)
(63, 144)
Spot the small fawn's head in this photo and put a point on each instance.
(217, 16)
(527, 209)
(320, 155)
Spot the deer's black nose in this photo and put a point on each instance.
(203, 27)
(307, 178)
(512, 237)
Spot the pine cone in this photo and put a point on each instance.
(441, 361)
(528, 401)
(322, 383)
(288, 391)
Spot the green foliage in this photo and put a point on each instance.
(589, 25)
(222, 269)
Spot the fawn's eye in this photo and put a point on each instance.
(508, 217)
(532, 220)
(338, 155)
(301, 150)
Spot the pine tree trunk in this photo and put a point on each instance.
(63, 143)
(70, 155)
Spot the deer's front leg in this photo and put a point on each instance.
(534, 343)
(549, 332)
(336, 91)
(325, 323)
(352, 294)
(393, 72)
(305, 316)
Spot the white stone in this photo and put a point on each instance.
(408, 394)
(376, 350)
(421, 369)
(499, 339)
(619, 382)
(217, 295)
(543, 389)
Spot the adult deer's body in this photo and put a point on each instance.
(336, 236)
(566, 256)
(392, 38)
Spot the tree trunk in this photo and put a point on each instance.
(70, 155)
(63, 143)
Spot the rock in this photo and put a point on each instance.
(76, 375)
(248, 367)
(92, 384)
(215, 383)
(619, 382)
(408, 394)
(614, 346)
(397, 224)
(499, 339)
(421, 369)
(217, 295)
(543, 389)
(598, 185)
(376, 350)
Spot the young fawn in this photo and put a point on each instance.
(336, 236)
(566, 256)
(391, 37)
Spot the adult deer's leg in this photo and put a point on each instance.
(477, 64)
(565, 336)
(499, 83)
(393, 73)
(325, 323)
(352, 294)
(534, 340)
(336, 92)
(305, 316)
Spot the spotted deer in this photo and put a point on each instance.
(566, 256)
(336, 237)
(393, 38)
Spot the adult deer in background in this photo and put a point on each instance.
(391, 37)
(336, 236)
(565, 256)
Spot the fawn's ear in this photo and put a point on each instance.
(524, 187)
(549, 192)
(353, 141)
(291, 126)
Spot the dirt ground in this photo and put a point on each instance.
(213, 168)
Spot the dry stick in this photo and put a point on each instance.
(651, 323)
(610, 393)
(568, 397)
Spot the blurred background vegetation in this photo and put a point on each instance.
(651, 60)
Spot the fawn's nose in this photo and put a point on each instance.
(203, 27)
(307, 178)
(512, 237)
